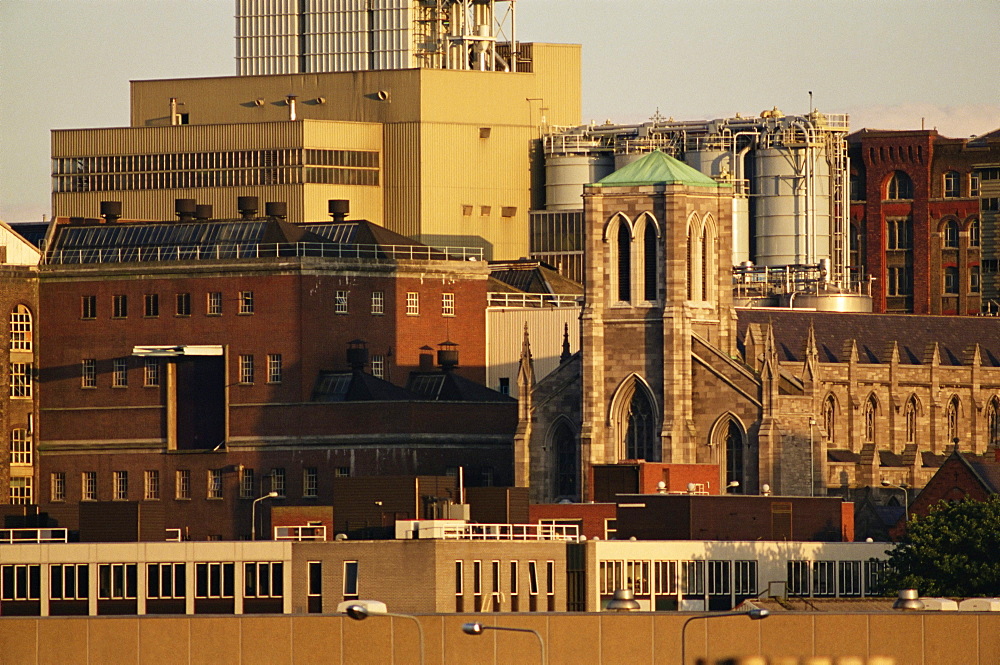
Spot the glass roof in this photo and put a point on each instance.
(159, 235)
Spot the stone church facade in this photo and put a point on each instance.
(803, 402)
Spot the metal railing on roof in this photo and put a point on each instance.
(526, 532)
(12, 536)
(300, 533)
(221, 251)
(502, 299)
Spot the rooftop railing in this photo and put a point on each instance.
(501, 299)
(300, 533)
(223, 251)
(526, 532)
(12, 536)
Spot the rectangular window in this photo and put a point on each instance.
(246, 370)
(88, 373)
(58, 488)
(550, 578)
(975, 282)
(447, 304)
(378, 303)
(378, 367)
(21, 491)
(611, 574)
(340, 306)
(666, 578)
(151, 373)
(849, 578)
(278, 481)
(900, 281)
(459, 579)
(151, 485)
(874, 571)
(412, 303)
(274, 368)
(183, 304)
(798, 578)
(246, 484)
(88, 487)
(693, 573)
(342, 472)
(88, 307)
(246, 302)
(20, 447)
(21, 582)
(152, 301)
(745, 578)
(719, 577)
(120, 480)
(166, 580)
(315, 587)
(215, 483)
(214, 580)
(310, 482)
(533, 578)
(263, 580)
(477, 582)
(20, 380)
(70, 581)
(119, 379)
(350, 579)
(513, 578)
(824, 578)
(116, 581)
(951, 280)
(182, 487)
(119, 306)
(974, 185)
(214, 304)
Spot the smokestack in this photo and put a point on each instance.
(185, 209)
(248, 206)
(111, 211)
(338, 209)
(426, 359)
(276, 209)
(203, 212)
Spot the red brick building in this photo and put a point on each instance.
(915, 219)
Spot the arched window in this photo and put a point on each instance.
(900, 187)
(635, 422)
(624, 247)
(952, 185)
(911, 420)
(20, 329)
(993, 423)
(691, 255)
(951, 234)
(829, 418)
(734, 458)
(952, 415)
(566, 460)
(649, 262)
(871, 408)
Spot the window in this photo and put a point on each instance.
(350, 579)
(666, 578)
(952, 185)
(900, 281)
(88, 307)
(532, 578)
(871, 408)
(58, 485)
(278, 481)
(310, 482)
(900, 187)
(20, 329)
(151, 485)
(910, 416)
(798, 578)
(874, 571)
(952, 416)
(120, 480)
(447, 304)
(824, 578)
(88, 373)
(849, 578)
(246, 302)
(263, 580)
(624, 260)
(693, 579)
(315, 572)
(88, 489)
(119, 306)
(246, 370)
(182, 486)
(649, 262)
(342, 472)
(514, 578)
(975, 281)
(119, 379)
(951, 280)
(951, 234)
(719, 578)
(20, 582)
(459, 580)
(20, 380)
(165, 580)
(504, 387)
(151, 373)
(215, 483)
(340, 304)
(744, 579)
(412, 303)
(899, 233)
(214, 306)
(20, 447)
(183, 304)
(246, 484)
(20, 491)
(214, 580)
(975, 235)
(974, 184)
(991, 204)
(274, 368)
(152, 301)
(69, 581)
(378, 367)
(378, 302)
(830, 418)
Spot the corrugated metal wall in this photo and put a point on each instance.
(505, 335)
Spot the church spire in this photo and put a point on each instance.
(565, 355)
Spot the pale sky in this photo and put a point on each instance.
(888, 63)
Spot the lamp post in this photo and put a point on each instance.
(477, 628)
(906, 497)
(253, 513)
(755, 614)
(360, 613)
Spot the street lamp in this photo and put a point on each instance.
(477, 628)
(360, 613)
(906, 497)
(755, 614)
(253, 513)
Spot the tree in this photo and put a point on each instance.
(952, 552)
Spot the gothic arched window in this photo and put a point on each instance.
(734, 457)
(829, 418)
(952, 419)
(624, 247)
(900, 187)
(641, 437)
(993, 422)
(649, 262)
(871, 407)
(911, 420)
(566, 460)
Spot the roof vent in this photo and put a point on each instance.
(426, 359)
(276, 209)
(448, 356)
(185, 209)
(338, 209)
(203, 212)
(248, 206)
(111, 211)
(357, 354)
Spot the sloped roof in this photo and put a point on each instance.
(451, 387)
(531, 276)
(657, 168)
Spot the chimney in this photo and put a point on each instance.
(447, 356)
(357, 354)
(111, 211)
(248, 206)
(276, 209)
(338, 209)
(185, 209)
(426, 359)
(203, 212)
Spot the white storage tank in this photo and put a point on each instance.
(565, 176)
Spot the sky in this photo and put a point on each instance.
(890, 64)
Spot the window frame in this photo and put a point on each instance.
(182, 485)
(151, 305)
(119, 485)
(213, 303)
(246, 369)
(119, 375)
(88, 486)
(20, 447)
(413, 303)
(448, 304)
(20, 329)
(378, 303)
(183, 305)
(214, 484)
(151, 485)
(247, 307)
(88, 373)
(274, 368)
(21, 380)
(119, 306)
(88, 308)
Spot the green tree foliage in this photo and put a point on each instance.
(952, 552)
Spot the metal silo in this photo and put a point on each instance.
(565, 176)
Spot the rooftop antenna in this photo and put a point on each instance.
(810, 102)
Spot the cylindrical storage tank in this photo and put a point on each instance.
(565, 176)
(830, 302)
(710, 162)
(623, 159)
(792, 209)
